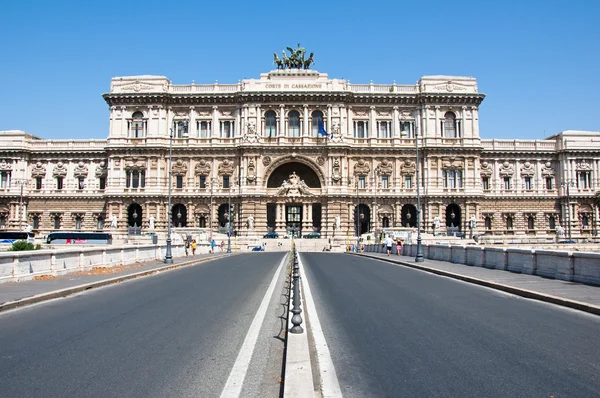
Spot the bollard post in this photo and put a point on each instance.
(296, 318)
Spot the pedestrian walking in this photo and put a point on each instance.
(388, 243)
(212, 246)
(222, 244)
(187, 246)
(193, 247)
(398, 246)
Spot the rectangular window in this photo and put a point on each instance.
(4, 179)
(135, 179)
(549, 184)
(143, 178)
(179, 181)
(485, 183)
(384, 129)
(38, 183)
(56, 222)
(452, 178)
(584, 179)
(59, 182)
(36, 222)
(204, 129)
(137, 128)
(226, 182)
(202, 181)
(509, 223)
(181, 128)
(361, 182)
(227, 130)
(81, 183)
(102, 182)
(406, 130)
(361, 129)
(506, 181)
(528, 183)
(408, 182)
(385, 182)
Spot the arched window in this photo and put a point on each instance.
(449, 125)
(585, 221)
(270, 124)
(181, 128)
(509, 223)
(552, 222)
(202, 222)
(530, 223)
(385, 222)
(36, 222)
(100, 223)
(488, 223)
(2, 221)
(137, 125)
(294, 124)
(316, 116)
(57, 222)
(78, 222)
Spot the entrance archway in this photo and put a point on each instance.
(283, 172)
(362, 219)
(409, 216)
(453, 218)
(134, 215)
(293, 219)
(179, 215)
(224, 215)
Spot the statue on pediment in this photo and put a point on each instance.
(293, 186)
(295, 60)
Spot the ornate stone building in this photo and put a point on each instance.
(296, 150)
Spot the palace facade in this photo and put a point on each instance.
(297, 151)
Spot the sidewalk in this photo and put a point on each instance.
(569, 294)
(16, 294)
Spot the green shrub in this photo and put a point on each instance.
(21, 245)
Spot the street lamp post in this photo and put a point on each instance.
(419, 257)
(229, 222)
(169, 254)
(357, 218)
(210, 216)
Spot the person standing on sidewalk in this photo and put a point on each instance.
(399, 246)
(193, 247)
(187, 246)
(388, 244)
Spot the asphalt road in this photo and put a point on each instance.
(176, 334)
(398, 332)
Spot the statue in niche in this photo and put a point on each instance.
(250, 222)
(151, 223)
(113, 221)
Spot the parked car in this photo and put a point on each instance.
(258, 249)
(312, 235)
(271, 235)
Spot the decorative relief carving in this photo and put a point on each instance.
(360, 113)
(361, 167)
(507, 169)
(226, 167)
(251, 171)
(81, 171)
(452, 164)
(38, 171)
(266, 160)
(337, 173)
(486, 169)
(180, 168)
(101, 170)
(135, 163)
(321, 160)
(5, 166)
(250, 135)
(528, 170)
(137, 87)
(202, 167)
(294, 186)
(583, 166)
(548, 170)
(385, 168)
(408, 167)
(60, 170)
(336, 136)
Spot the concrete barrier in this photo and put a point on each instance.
(495, 258)
(25, 265)
(458, 254)
(475, 256)
(586, 267)
(548, 262)
(521, 261)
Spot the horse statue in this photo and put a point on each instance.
(277, 61)
(309, 61)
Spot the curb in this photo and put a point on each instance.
(578, 305)
(9, 305)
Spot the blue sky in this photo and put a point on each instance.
(536, 60)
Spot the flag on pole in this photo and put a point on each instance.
(322, 128)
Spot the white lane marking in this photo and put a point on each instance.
(330, 385)
(235, 381)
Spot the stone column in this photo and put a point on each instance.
(305, 129)
(372, 126)
(192, 124)
(438, 131)
(215, 122)
(329, 111)
(123, 122)
(350, 126)
(281, 129)
(237, 129)
(395, 123)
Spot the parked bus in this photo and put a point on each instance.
(8, 238)
(79, 238)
